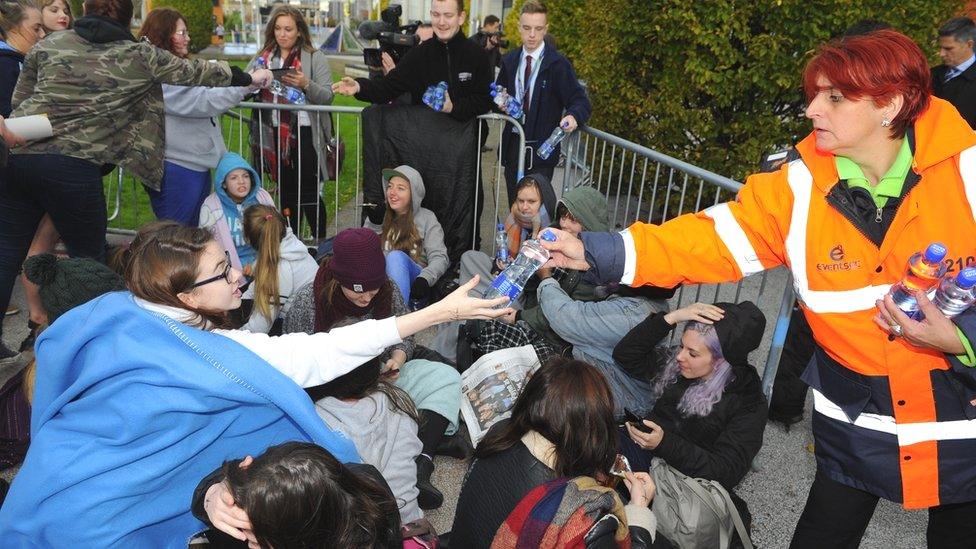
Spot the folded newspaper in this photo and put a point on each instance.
(492, 384)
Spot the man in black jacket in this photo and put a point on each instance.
(449, 57)
(955, 79)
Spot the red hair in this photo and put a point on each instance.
(878, 66)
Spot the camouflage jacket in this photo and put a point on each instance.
(102, 92)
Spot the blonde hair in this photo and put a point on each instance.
(400, 233)
(264, 229)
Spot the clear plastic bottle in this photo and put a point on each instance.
(435, 95)
(505, 101)
(956, 294)
(288, 93)
(512, 280)
(923, 273)
(501, 245)
(546, 149)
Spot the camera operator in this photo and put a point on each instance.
(449, 57)
(425, 31)
(491, 40)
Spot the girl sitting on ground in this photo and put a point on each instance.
(236, 187)
(529, 214)
(709, 412)
(562, 425)
(382, 421)
(153, 391)
(283, 265)
(353, 286)
(416, 256)
(297, 494)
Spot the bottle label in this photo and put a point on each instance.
(504, 287)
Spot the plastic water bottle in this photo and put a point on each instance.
(924, 271)
(956, 294)
(547, 148)
(512, 280)
(501, 245)
(505, 101)
(435, 95)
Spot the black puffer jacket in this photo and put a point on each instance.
(493, 488)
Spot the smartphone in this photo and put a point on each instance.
(278, 73)
(620, 466)
(636, 421)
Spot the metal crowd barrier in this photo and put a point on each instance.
(640, 185)
(645, 185)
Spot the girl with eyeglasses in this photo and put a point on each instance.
(141, 394)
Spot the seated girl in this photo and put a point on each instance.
(297, 494)
(353, 286)
(416, 256)
(562, 425)
(382, 421)
(528, 215)
(283, 265)
(236, 186)
(153, 392)
(710, 412)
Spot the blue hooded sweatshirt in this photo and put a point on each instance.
(132, 409)
(234, 212)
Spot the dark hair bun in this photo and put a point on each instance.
(41, 268)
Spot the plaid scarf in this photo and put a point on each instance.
(559, 514)
(286, 137)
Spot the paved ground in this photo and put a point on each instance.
(775, 492)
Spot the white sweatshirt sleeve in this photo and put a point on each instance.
(314, 359)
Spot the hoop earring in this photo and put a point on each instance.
(885, 122)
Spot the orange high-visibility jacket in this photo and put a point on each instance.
(892, 419)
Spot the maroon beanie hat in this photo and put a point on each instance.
(358, 262)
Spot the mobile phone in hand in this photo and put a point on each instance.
(620, 466)
(278, 73)
(636, 421)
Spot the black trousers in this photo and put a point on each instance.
(836, 516)
(300, 187)
(789, 391)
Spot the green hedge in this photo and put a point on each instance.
(199, 19)
(715, 83)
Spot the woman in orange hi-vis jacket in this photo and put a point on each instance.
(887, 170)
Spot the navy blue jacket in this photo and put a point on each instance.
(10, 61)
(556, 90)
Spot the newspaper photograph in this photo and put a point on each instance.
(491, 385)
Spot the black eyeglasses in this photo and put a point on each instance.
(225, 275)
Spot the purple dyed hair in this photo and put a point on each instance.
(698, 399)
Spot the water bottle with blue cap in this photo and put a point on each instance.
(956, 294)
(512, 280)
(925, 269)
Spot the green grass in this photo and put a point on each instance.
(136, 211)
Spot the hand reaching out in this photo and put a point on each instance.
(346, 86)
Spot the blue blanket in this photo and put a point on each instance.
(132, 409)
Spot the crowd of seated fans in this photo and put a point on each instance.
(228, 379)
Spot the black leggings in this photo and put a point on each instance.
(300, 187)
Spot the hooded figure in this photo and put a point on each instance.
(427, 260)
(712, 426)
(225, 216)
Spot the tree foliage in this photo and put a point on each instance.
(714, 83)
(199, 19)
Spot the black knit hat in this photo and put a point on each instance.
(67, 283)
(740, 331)
(358, 262)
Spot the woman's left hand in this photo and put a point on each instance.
(935, 331)
(459, 306)
(647, 441)
(391, 370)
(298, 80)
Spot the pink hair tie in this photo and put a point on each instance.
(268, 217)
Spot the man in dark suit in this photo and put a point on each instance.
(955, 79)
(544, 82)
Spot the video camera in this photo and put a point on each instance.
(499, 37)
(394, 39)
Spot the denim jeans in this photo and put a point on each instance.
(181, 195)
(402, 270)
(69, 190)
(594, 328)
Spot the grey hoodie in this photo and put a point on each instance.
(386, 438)
(434, 254)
